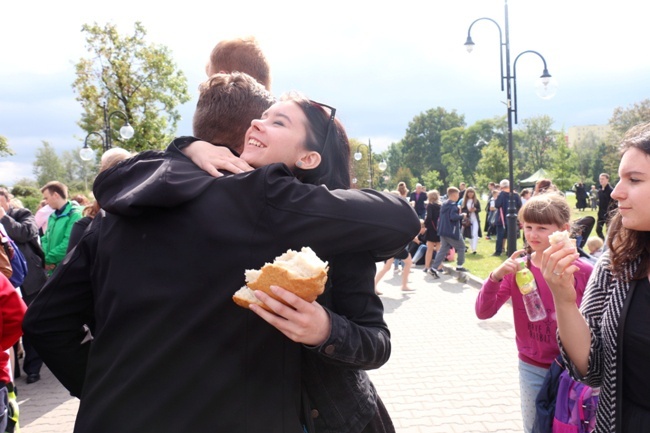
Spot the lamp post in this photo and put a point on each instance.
(546, 89)
(126, 132)
(357, 156)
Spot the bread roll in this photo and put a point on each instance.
(301, 273)
(563, 236)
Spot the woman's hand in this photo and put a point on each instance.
(558, 269)
(510, 266)
(212, 158)
(301, 321)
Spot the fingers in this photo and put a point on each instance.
(517, 254)
(301, 321)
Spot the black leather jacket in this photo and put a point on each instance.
(340, 397)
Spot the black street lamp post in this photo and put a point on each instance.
(357, 156)
(547, 90)
(126, 132)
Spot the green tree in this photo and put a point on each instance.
(536, 143)
(132, 76)
(77, 170)
(47, 166)
(431, 180)
(422, 143)
(493, 166)
(585, 153)
(564, 165)
(5, 150)
(622, 119)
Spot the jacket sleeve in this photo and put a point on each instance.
(492, 296)
(20, 226)
(364, 220)
(359, 337)
(12, 310)
(55, 319)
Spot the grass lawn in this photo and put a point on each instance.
(482, 263)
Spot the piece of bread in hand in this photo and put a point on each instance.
(563, 236)
(301, 273)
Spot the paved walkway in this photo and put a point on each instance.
(448, 372)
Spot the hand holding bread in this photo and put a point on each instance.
(301, 273)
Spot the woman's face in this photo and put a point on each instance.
(633, 189)
(279, 136)
(537, 235)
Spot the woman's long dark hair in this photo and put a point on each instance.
(627, 245)
(334, 168)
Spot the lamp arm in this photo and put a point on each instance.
(514, 76)
(93, 133)
(501, 43)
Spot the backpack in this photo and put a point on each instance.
(575, 406)
(16, 258)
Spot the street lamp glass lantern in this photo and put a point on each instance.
(469, 44)
(86, 153)
(382, 165)
(126, 131)
(357, 156)
(546, 86)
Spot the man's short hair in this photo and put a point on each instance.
(56, 187)
(227, 105)
(241, 55)
(452, 190)
(605, 175)
(505, 183)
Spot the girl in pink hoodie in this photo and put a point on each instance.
(536, 341)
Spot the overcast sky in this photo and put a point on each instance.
(379, 63)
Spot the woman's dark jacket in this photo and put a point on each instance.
(340, 396)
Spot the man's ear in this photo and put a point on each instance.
(309, 161)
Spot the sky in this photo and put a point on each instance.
(380, 65)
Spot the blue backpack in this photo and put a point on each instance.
(17, 260)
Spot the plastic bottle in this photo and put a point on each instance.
(528, 288)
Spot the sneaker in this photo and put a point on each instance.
(461, 269)
(433, 273)
(496, 255)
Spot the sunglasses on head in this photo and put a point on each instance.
(330, 122)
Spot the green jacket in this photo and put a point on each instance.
(56, 238)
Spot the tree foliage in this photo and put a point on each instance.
(422, 144)
(48, 166)
(130, 75)
(536, 143)
(493, 166)
(5, 150)
(564, 164)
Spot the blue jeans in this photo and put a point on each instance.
(501, 234)
(531, 378)
(422, 249)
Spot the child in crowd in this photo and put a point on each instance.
(595, 246)
(542, 215)
(449, 232)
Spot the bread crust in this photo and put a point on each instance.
(274, 275)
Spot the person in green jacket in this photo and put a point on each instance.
(56, 238)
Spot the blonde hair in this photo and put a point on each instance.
(594, 243)
(433, 196)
